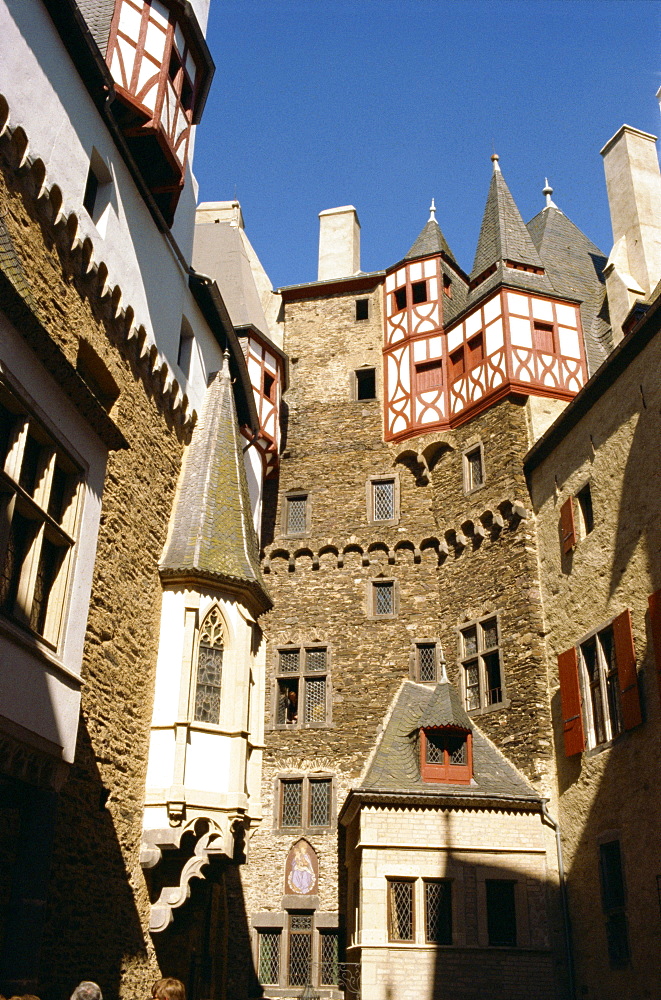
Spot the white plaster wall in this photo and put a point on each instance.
(254, 475)
(39, 689)
(63, 126)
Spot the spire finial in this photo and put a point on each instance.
(494, 159)
(548, 191)
(226, 361)
(444, 674)
(432, 211)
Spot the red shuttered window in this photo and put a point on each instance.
(625, 658)
(570, 696)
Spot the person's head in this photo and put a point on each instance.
(168, 989)
(87, 991)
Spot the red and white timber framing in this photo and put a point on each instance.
(267, 372)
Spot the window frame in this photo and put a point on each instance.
(373, 481)
(195, 681)
(489, 912)
(288, 498)
(414, 665)
(365, 309)
(391, 881)
(306, 779)
(480, 654)
(371, 598)
(279, 923)
(355, 392)
(302, 676)
(45, 530)
(446, 773)
(469, 486)
(426, 882)
(587, 686)
(614, 910)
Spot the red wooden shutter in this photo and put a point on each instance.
(654, 601)
(567, 526)
(570, 696)
(625, 656)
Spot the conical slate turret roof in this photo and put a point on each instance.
(444, 708)
(504, 237)
(431, 240)
(212, 536)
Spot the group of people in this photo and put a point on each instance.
(163, 989)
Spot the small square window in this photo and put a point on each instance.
(428, 375)
(400, 298)
(365, 383)
(542, 337)
(296, 514)
(473, 469)
(419, 292)
(383, 598)
(362, 309)
(269, 386)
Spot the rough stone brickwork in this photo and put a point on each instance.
(99, 906)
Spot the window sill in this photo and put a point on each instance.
(489, 708)
(37, 645)
(279, 728)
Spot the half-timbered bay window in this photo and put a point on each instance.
(481, 666)
(39, 495)
(599, 686)
(302, 693)
(446, 755)
(209, 669)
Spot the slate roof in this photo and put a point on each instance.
(395, 765)
(12, 267)
(212, 536)
(219, 251)
(431, 240)
(575, 267)
(98, 17)
(503, 236)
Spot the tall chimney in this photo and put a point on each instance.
(339, 243)
(633, 182)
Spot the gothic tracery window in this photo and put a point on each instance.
(209, 669)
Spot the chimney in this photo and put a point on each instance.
(339, 243)
(633, 182)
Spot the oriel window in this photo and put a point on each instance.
(209, 669)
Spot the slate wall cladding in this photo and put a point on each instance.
(333, 445)
(98, 892)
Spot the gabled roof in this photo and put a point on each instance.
(395, 764)
(431, 240)
(575, 267)
(212, 536)
(504, 237)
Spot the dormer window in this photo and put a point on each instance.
(446, 755)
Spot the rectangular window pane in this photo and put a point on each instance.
(438, 912)
(470, 641)
(489, 634)
(426, 654)
(383, 598)
(288, 661)
(21, 535)
(207, 691)
(269, 956)
(329, 972)
(365, 383)
(591, 662)
(315, 660)
(457, 749)
(300, 953)
(383, 496)
(472, 675)
(315, 700)
(296, 514)
(492, 671)
(292, 800)
(31, 466)
(501, 912)
(320, 803)
(50, 560)
(401, 911)
(607, 645)
(435, 748)
(287, 706)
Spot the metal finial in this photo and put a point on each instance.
(444, 674)
(432, 211)
(548, 191)
(494, 159)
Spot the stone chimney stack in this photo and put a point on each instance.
(633, 182)
(339, 243)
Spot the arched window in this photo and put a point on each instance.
(209, 669)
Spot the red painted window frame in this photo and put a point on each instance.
(446, 773)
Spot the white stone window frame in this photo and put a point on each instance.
(469, 487)
(414, 659)
(302, 675)
(372, 481)
(611, 728)
(371, 599)
(482, 651)
(307, 778)
(15, 501)
(279, 922)
(289, 496)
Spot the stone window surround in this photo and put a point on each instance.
(419, 915)
(504, 700)
(369, 498)
(307, 777)
(414, 667)
(278, 921)
(468, 489)
(353, 388)
(370, 599)
(301, 675)
(296, 494)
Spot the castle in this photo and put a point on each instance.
(330, 615)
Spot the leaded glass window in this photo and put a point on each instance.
(301, 696)
(401, 910)
(297, 507)
(481, 663)
(329, 971)
(315, 660)
(320, 802)
(383, 500)
(438, 911)
(473, 469)
(209, 669)
(300, 949)
(269, 957)
(292, 803)
(383, 593)
(305, 802)
(315, 700)
(289, 661)
(426, 659)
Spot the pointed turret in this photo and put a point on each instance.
(431, 239)
(505, 250)
(212, 537)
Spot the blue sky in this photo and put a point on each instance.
(384, 104)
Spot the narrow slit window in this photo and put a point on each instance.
(584, 497)
(473, 469)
